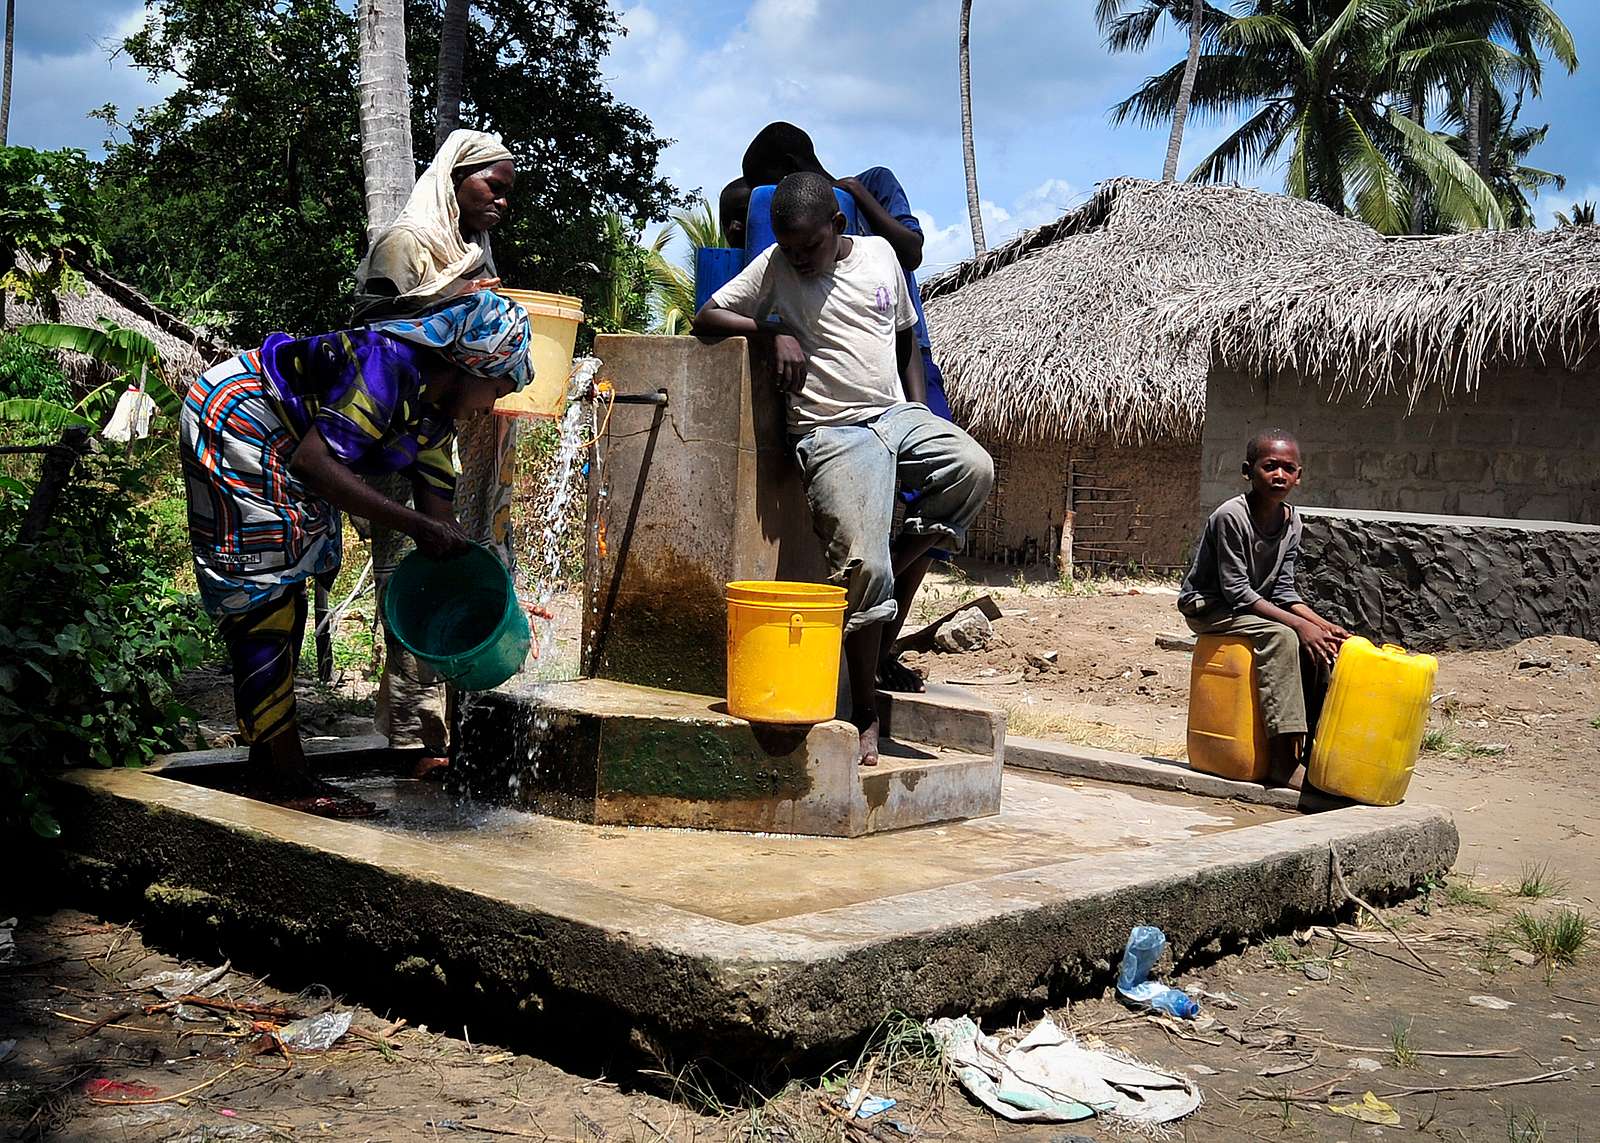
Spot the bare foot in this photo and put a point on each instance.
(869, 742)
(430, 769)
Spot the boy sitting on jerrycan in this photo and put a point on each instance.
(836, 317)
(1242, 583)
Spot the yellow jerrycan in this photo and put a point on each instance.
(1226, 736)
(1370, 732)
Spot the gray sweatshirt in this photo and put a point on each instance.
(1237, 565)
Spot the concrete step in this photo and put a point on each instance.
(613, 753)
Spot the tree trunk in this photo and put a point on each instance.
(5, 85)
(1191, 66)
(1417, 112)
(452, 69)
(385, 89)
(1475, 102)
(974, 204)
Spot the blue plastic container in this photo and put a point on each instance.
(460, 616)
(758, 224)
(714, 267)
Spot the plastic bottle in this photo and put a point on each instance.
(1145, 945)
(1175, 1003)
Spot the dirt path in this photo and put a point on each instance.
(1320, 1021)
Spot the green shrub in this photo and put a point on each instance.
(28, 370)
(92, 638)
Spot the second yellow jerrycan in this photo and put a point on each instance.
(1370, 732)
(1226, 736)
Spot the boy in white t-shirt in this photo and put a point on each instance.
(835, 313)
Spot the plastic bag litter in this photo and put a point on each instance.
(1146, 943)
(868, 1105)
(185, 981)
(1370, 1109)
(315, 1033)
(1049, 1077)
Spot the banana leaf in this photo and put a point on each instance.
(40, 414)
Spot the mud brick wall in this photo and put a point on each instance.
(1162, 476)
(1525, 446)
(1451, 582)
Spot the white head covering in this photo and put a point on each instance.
(433, 217)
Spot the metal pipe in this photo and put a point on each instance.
(659, 397)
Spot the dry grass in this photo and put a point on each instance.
(1029, 722)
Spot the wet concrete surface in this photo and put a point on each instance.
(752, 878)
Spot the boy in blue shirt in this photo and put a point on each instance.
(782, 149)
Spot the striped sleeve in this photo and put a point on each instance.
(435, 465)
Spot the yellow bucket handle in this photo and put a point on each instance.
(1395, 649)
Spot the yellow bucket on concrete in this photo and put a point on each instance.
(783, 650)
(553, 321)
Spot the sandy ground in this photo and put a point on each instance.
(1320, 1019)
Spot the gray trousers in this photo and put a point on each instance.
(853, 474)
(1278, 674)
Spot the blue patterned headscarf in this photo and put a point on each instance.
(481, 332)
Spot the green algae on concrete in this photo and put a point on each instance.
(658, 758)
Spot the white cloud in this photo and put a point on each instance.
(944, 246)
(1546, 205)
(54, 91)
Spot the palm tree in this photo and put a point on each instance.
(385, 89)
(674, 285)
(1317, 80)
(1130, 29)
(974, 204)
(1524, 27)
(1583, 214)
(452, 68)
(1505, 144)
(5, 84)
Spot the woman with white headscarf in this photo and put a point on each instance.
(436, 248)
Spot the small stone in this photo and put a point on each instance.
(1147, 672)
(1491, 1002)
(1533, 662)
(1040, 662)
(1522, 957)
(968, 631)
(1316, 970)
(1365, 1064)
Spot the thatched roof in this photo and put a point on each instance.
(185, 351)
(1109, 318)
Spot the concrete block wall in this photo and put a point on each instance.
(1525, 446)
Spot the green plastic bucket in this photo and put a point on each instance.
(460, 616)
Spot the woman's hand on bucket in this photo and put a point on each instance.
(441, 539)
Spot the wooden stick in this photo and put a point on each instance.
(1400, 1093)
(1344, 887)
(1547, 1077)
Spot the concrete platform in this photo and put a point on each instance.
(761, 948)
(605, 752)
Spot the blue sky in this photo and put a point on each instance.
(874, 83)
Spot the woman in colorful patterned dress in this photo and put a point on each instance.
(274, 445)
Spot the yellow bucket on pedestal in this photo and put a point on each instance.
(784, 641)
(553, 321)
